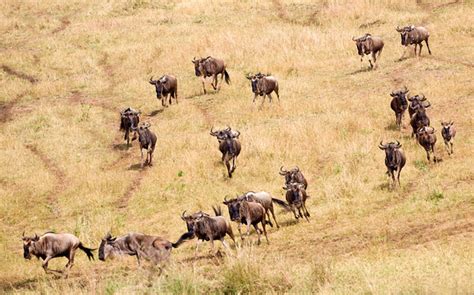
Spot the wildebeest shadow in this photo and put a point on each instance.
(155, 112)
(218, 256)
(392, 127)
(364, 70)
(121, 146)
(402, 59)
(136, 167)
(290, 222)
(194, 95)
(24, 284)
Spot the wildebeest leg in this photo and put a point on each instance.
(295, 212)
(150, 153)
(214, 82)
(268, 220)
(45, 265)
(240, 231)
(197, 247)
(203, 80)
(419, 51)
(141, 151)
(427, 45)
(170, 95)
(276, 91)
(175, 96)
(233, 163)
(452, 149)
(255, 97)
(404, 52)
(446, 145)
(273, 214)
(258, 230)
(265, 233)
(428, 154)
(263, 100)
(127, 136)
(227, 165)
(399, 170)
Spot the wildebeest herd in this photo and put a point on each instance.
(252, 209)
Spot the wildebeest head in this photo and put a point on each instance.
(289, 174)
(425, 130)
(192, 220)
(390, 149)
(234, 208)
(198, 66)
(224, 134)
(363, 43)
(401, 95)
(143, 133)
(417, 100)
(446, 126)
(404, 36)
(106, 247)
(295, 188)
(254, 81)
(28, 245)
(129, 118)
(159, 85)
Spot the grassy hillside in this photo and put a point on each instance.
(68, 68)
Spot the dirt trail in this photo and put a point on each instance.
(122, 203)
(61, 180)
(65, 22)
(18, 74)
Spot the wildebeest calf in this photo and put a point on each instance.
(448, 132)
(264, 85)
(427, 139)
(147, 141)
(296, 197)
(229, 146)
(419, 119)
(129, 119)
(148, 247)
(294, 175)
(51, 245)
(399, 104)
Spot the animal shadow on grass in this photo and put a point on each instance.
(363, 70)
(289, 222)
(136, 167)
(24, 284)
(120, 146)
(392, 127)
(155, 112)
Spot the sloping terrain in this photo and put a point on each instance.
(68, 68)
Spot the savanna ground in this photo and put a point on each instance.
(67, 68)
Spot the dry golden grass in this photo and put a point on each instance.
(68, 68)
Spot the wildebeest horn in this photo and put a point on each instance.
(405, 89)
(228, 128)
(238, 133)
(451, 122)
(151, 80)
(182, 214)
(399, 145)
(23, 234)
(212, 132)
(353, 38)
(283, 172)
(398, 29)
(423, 98)
(297, 168)
(381, 145)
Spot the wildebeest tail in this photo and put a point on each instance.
(184, 237)
(282, 204)
(226, 77)
(217, 210)
(88, 251)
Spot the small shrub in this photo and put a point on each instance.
(436, 196)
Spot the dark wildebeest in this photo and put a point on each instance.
(264, 85)
(210, 66)
(229, 146)
(399, 105)
(206, 228)
(296, 197)
(427, 139)
(415, 101)
(166, 86)
(369, 44)
(251, 213)
(419, 119)
(129, 119)
(147, 141)
(51, 245)
(394, 159)
(414, 35)
(294, 175)
(448, 132)
(152, 248)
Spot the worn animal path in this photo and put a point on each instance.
(65, 22)
(12, 72)
(61, 180)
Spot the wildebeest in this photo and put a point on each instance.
(394, 159)
(294, 175)
(206, 228)
(296, 197)
(399, 104)
(210, 66)
(419, 119)
(147, 140)
(153, 248)
(263, 85)
(448, 132)
(414, 35)
(52, 245)
(253, 213)
(427, 139)
(129, 119)
(415, 101)
(369, 44)
(166, 86)
(229, 146)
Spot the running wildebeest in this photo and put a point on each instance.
(427, 139)
(419, 119)
(51, 245)
(129, 119)
(413, 35)
(394, 159)
(264, 85)
(294, 175)
(147, 141)
(415, 101)
(369, 44)
(448, 132)
(296, 197)
(229, 146)
(153, 248)
(166, 86)
(399, 105)
(206, 228)
(210, 67)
